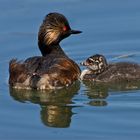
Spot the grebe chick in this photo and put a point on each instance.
(96, 63)
(54, 69)
(115, 72)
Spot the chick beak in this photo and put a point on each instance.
(75, 32)
(84, 63)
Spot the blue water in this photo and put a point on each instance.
(83, 111)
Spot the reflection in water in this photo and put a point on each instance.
(99, 92)
(98, 103)
(54, 109)
(56, 116)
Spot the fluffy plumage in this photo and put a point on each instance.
(54, 69)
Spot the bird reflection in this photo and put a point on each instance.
(98, 92)
(56, 116)
(55, 111)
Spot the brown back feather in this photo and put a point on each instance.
(17, 71)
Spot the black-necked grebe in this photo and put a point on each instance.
(99, 71)
(54, 69)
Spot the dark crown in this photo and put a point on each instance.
(54, 28)
(51, 30)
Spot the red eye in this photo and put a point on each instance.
(65, 28)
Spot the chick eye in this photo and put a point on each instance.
(90, 61)
(65, 28)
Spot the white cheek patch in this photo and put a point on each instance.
(101, 65)
(94, 67)
(100, 59)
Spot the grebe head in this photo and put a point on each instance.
(54, 28)
(96, 63)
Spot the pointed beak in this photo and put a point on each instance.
(75, 32)
(84, 63)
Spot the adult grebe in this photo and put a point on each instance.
(54, 69)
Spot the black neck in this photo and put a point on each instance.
(51, 49)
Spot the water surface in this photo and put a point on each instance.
(83, 111)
